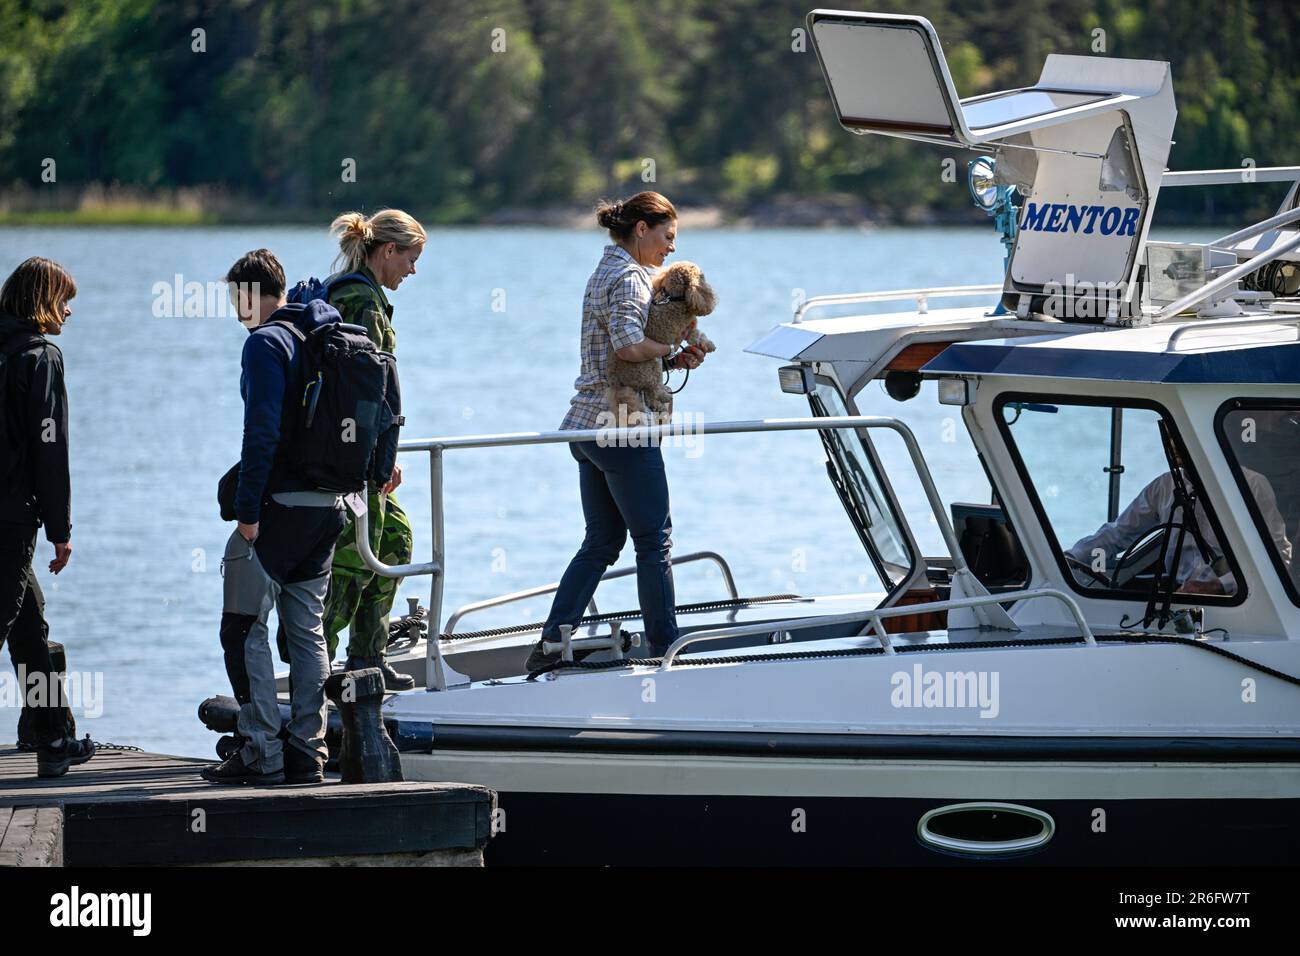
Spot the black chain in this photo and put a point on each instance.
(125, 748)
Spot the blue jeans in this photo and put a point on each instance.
(624, 490)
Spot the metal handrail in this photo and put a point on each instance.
(1227, 279)
(1278, 320)
(1259, 228)
(922, 297)
(436, 670)
(1230, 177)
(523, 595)
(989, 614)
(874, 617)
(368, 555)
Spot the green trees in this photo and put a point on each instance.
(456, 109)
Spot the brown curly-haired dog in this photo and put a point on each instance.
(681, 294)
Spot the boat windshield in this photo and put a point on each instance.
(1262, 442)
(851, 466)
(1114, 489)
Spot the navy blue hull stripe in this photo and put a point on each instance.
(1275, 364)
(413, 737)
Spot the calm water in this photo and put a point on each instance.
(487, 342)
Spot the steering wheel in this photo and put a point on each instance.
(1147, 547)
(1076, 565)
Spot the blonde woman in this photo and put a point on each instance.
(375, 254)
(35, 488)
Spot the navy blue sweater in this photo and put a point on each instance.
(271, 385)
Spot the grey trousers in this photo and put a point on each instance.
(248, 589)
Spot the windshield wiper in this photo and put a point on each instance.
(859, 522)
(1184, 504)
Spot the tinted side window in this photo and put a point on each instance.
(1114, 489)
(1262, 443)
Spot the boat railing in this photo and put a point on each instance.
(1217, 325)
(436, 672)
(476, 606)
(1193, 177)
(874, 617)
(1225, 279)
(1256, 229)
(922, 297)
(1228, 279)
(1230, 177)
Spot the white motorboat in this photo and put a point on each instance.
(1105, 666)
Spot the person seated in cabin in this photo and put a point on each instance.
(1267, 441)
(1195, 571)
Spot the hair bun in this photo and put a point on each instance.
(621, 216)
(358, 225)
(609, 215)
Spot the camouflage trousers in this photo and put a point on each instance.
(358, 598)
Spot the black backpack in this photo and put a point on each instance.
(344, 431)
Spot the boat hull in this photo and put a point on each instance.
(583, 829)
(860, 802)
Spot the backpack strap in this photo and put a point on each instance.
(351, 277)
(297, 332)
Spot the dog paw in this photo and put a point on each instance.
(701, 341)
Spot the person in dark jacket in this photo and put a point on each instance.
(280, 553)
(35, 490)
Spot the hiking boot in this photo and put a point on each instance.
(300, 767)
(53, 760)
(392, 679)
(538, 659)
(229, 745)
(233, 770)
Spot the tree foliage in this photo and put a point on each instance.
(455, 109)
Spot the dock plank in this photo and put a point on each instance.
(31, 836)
(132, 808)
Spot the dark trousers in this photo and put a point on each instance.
(293, 545)
(22, 625)
(288, 569)
(624, 490)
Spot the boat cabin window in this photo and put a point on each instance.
(1262, 442)
(852, 469)
(1120, 503)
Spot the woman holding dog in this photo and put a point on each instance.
(624, 489)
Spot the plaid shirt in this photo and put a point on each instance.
(614, 311)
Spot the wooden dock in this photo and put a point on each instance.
(128, 808)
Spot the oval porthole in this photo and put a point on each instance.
(985, 829)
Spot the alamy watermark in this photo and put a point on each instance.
(946, 689)
(1081, 299)
(81, 690)
(636, 430)
(179, 299)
